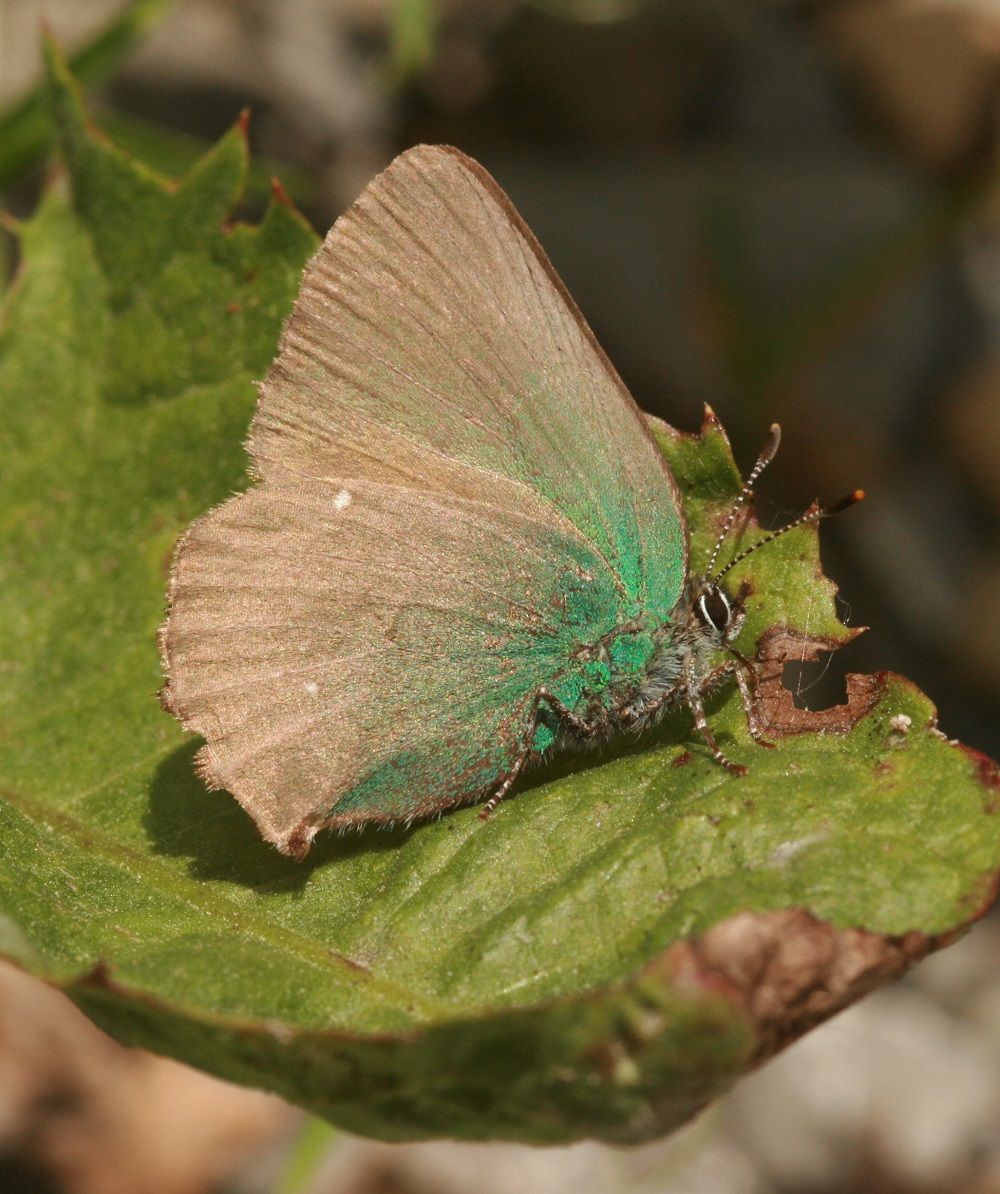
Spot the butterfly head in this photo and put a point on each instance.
(718, 615)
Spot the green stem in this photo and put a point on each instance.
(308, 1152)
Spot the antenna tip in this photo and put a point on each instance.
(852, 498)
(767, 453)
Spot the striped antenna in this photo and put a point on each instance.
(813, 514)
(767, 454)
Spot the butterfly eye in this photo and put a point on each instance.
(714, 609)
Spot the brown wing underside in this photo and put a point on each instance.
(366, 647)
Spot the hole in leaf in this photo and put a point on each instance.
(815, 684)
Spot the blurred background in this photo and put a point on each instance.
(785, 208)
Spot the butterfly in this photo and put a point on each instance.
(462, 547)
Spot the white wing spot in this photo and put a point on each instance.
(311, 687)
(343, 499)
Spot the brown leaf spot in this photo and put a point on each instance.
(99, 976)
(779, 714)
(789, 971)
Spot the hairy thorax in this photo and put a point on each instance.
(629, 678)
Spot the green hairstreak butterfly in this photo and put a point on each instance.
(463, 546)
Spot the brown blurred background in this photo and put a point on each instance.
(787, 209)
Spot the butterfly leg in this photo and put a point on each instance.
(575, 723)
(509, 779)
(693, 693)
(578, 725)
(748, 695)
(740, 668)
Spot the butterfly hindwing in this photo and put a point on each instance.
(368, 652)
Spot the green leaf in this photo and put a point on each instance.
(26, 129)
(175, 153)
(610, 951)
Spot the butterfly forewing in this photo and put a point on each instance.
(430, 318)
(454, 494)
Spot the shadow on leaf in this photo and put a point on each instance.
(186, 820)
